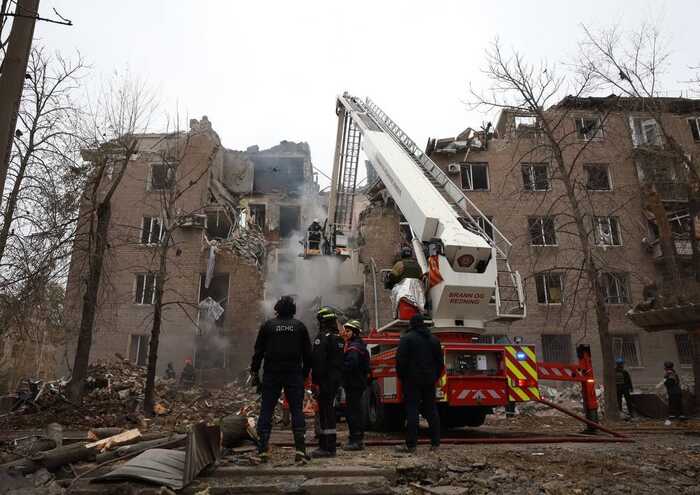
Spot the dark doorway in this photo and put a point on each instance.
(217, 290)
(289, 220)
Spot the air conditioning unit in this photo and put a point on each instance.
(194, 222)
(453, 168)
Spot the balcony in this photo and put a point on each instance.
(672, 190)
(683, 248)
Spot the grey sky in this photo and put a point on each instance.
(264, 71)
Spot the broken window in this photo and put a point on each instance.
(138, 349)
(556, 348)
(257, 215)
(289, 220)
(218, 291)
(588, 128)
(542, 232)
(162, 177)
(549, 287)
(145, 288)
(607, 231)
(645, 131)
(218, 225)
(475, 176)
(627, 348)
(151, 230)
(685, 353)
(694, 124)
(535, 177)
(615, 287)
(277, 173)
(482, 225)
(597, 177)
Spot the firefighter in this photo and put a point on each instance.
(314, 234)
(419, 364)
(673, 389)
(170, 372)
(623, 384)
(405, 267)
(355, 378)
(187, 377)
(283, 344)
(327, 374)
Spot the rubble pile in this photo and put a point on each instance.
(114, 398)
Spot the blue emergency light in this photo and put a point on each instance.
(521, 356)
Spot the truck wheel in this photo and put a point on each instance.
(455, 417)
(380, 416)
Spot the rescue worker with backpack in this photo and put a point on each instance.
(355, 379)
(327, 373)
(674, 391)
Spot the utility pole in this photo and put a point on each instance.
(14, 68)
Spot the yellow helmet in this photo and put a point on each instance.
(354, 325)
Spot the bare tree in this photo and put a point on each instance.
(120, 114)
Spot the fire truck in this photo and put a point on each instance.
(467, 280)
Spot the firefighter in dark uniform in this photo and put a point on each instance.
(674, 391)
(623, 386)
(405, 267)
(327, 374)
(355, 379)
(283, 344)
(314, 234)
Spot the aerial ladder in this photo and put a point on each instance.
(467, 276)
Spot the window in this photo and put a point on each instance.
(627, 348)
(588, 128)
(145, 288)
(597, 177)
(492, 339)
(685, 353)
(694, 124)
(162, 177)
(645, 132)
(549, 287)
(257, 215)
(485, 225)
(138, 349)
(218, 225)
(607, 231)
(535, 177)
(556, 348)
(616, 288)
(151, 230)
(542, 231)
(475, 176)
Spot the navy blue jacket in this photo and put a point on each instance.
(355, 364)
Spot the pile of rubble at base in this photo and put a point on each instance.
(114, 397)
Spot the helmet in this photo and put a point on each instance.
(354, 325)
(188, 361)
(668, 365)
(406, 252)
(326, 314)
(619, 361)
(315, 220)
(285, 307)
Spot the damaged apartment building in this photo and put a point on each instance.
(610, 143)
(237, 212)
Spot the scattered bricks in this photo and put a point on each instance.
(346, 485)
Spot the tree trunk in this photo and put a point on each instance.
(89, 309)
(11, 203)
(695, 353)
(149, 392)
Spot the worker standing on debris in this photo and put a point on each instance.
(673, 389)
(355, 378)
(419, 365)
(187, 377)
(327, 374)
(283, 344)
(405, 267)
(170, 372)
(623, 384)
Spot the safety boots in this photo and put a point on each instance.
(300, 455)
(326, 447)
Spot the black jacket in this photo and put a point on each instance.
(284, 345)
(355, 364)
(623, 380)
(672, 382)
(419, 358)
(327, 358)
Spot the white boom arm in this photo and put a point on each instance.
(467, 296)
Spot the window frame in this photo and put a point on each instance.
(587, 169)
(139, 299)
(529, 169)
(694, 123)
(681, 355)
(258, 206)
(470, 166)
(598, 237)
(139, 338)
(541, 220)
(168, 187)
(640, 138)
(545, 277)
(637, 349)
(581, 135)
(567, 355)
(624, 283)
(150, 230)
